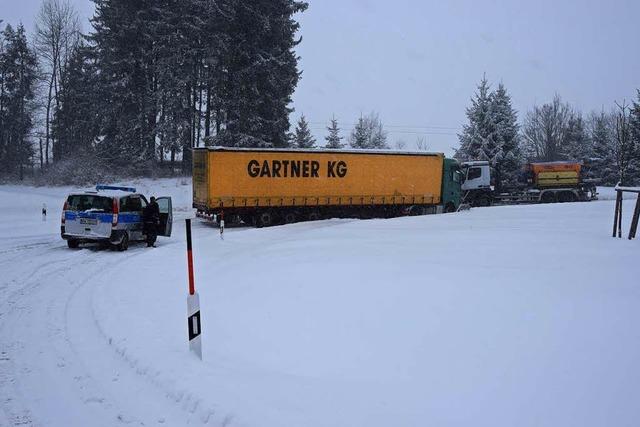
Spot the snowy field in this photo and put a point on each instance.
(501, 316)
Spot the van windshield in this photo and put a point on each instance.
(88, 202)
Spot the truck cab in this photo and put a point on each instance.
(476, 183)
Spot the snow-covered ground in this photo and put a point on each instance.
(501, 316)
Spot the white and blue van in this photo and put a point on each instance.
(110, 215)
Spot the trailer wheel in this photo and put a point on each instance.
(449, 208)
(548, 197)
(290, 217)
(314, 215)
(73, 244)
(566, 196)
(264, 219)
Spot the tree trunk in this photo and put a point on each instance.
(48, 115)
(218, 120)
(199, 121)
(207, 116)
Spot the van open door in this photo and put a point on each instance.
(166, 216)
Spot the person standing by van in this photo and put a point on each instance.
(151, 219)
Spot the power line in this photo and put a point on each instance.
(401, 131)
(399, 126)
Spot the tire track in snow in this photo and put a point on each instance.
(194, 408)
(58, 355)
(52, 303)
(14, 305)
(41, 366)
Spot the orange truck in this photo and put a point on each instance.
(269, 186)
(543, 182)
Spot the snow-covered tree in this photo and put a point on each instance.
(508, 157)
(602, 161)
(57, 32)
(477, 140)
(333, 138)
(302, 136)
(18, 74)
(624, 149)
(545, 130)
(369, 133)
(360, 135)
(491, 133)
(577, 144)
(76, 124)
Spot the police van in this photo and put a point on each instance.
(110, 215)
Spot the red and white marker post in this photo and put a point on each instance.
(193, 303)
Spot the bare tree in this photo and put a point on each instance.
(545, 130)
(400, 144)
(57, 33)
(623, 143)
(421, 143)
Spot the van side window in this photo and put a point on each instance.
(474, 173)
(130, 204)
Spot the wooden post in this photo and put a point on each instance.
(616, 213)
(620, 217)
(634, 220)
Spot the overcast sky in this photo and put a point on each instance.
(417, 62)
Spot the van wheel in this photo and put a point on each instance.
(73, 244)
(124, 243)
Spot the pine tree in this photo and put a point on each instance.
(603, 162)
(125, 56)
(360, 135)
(302, 136)
(576, 145)
(334, 139)
(477, 140)
(186, 46)
(369, 133)
(378, 136)
(17, 79)
(508, 157)
(261, 70)
(76, 124)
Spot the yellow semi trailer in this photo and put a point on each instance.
(268, 186)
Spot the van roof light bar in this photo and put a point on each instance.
(100, 187)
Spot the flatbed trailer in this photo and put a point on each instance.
(546, 182)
